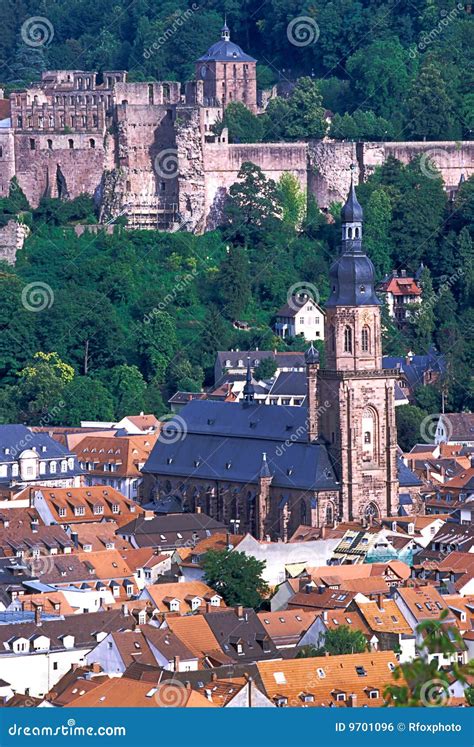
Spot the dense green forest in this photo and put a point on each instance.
(400, 70)
(98, 326)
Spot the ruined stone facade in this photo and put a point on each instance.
(149, 151)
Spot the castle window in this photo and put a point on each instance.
(70, 143)
(92, 142)
(365, 339)
(50, 144)
(150, 93)
(329, 514)
(349, 233)
(347, 340)
(166, 93)
(51, 120)
(1, 151)
(32, 144)
(357, 233)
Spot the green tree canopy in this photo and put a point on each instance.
(237, 577)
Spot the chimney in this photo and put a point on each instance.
(353, 700)
(38, 616)
(34, 525)
(380, 598)
(323, 532)
(208, 607)
(176, 662)
(75, 539)
(198, 509)
(325, 616)
(125, 610)
(149, 515)
(239, 611)
(96, 668)
(213, 677)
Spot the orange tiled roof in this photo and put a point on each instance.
(195, 633)
(424, 602)
(318, 681)
(385, 619)
(97, 503)
(125, 453)
(49, 602)
(162, 594)
(119, 691)
(287, 623)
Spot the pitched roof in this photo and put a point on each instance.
(287, 626)
(117, 691)
(171, 530)
(97, 536)
(317, 681)
(460, 425)
(96, 502)
(126, 453)
(195, 632)
(328, 599)
(425, 603)
(162, 595)
(384, 619)
(241, 635)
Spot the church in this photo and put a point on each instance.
(267, 469)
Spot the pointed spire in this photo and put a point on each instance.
(265, 469)
(225, 32)
(249, 389)
(312, 355)
(352, 211)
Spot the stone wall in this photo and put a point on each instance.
(82, 165)
(191, 177)
(12, 238)
(223, 161)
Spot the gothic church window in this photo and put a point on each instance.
(347, 340)
(365, 339)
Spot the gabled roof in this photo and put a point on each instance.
(117, 691)
(322, 678)
(241, 628)
(460, 425)
(162, 594)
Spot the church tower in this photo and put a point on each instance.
(359, 425)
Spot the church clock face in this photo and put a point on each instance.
(203, 71)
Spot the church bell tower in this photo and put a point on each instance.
(358, 427)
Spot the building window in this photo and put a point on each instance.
(365, 339)
(50, 144)
(32, 144)
(70, 143)
(347, 340)
(92, 142)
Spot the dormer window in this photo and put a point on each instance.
(52, 467)
(61, 512)
(340, 697)
(64, 466)
(115, 508)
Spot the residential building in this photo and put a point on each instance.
(84, 505)
(300, 316)
(116, 462)
(182, 598)
(455, 428)
(401, 292)
(168, 532)
(30, 458)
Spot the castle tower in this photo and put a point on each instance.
(228, 74)
(359, 426)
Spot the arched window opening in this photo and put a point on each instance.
(347, 340)
(365, 339)
(369, 435)
(329, 514)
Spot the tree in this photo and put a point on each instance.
(265, 369)
(377, 239)
(422, 681)
(243, 126)
(157, 343)
(234, 283)
(306, 117)
(253, 200)
(465, 252)
(335, 642)
(86, 399)
(41, 388)
(343, 640)
(236, 577)
(430, 106)
(422, 316)
(128, 388)
(409, 419)
(292, 200)
(380, 76)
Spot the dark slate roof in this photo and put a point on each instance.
(419, 365)
(222, 440)
(283, 360)
(18, 438)
(289, 383)
(406, 478)
(162, 531)
(83, 627)
(226, 51)
(352, 210)
(229, 629)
